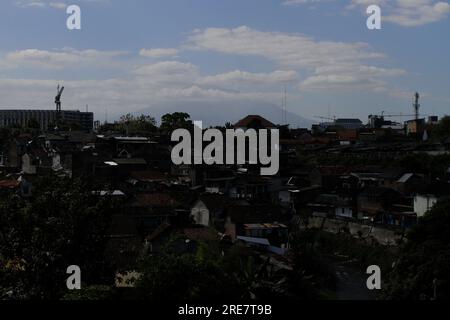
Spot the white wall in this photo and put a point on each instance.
(344, 212)
(200, 213)
(423, 204)
(27, 167)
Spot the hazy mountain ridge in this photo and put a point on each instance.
(219, 113)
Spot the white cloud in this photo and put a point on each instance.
(238, 77)
(408, 13)
(50, 3)
(58, 59)
(159, 52)
(326, 64)
(292, 50)
(300, 62)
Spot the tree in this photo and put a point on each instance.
(143, 124)
(177, 120)
(422, 270)
(61, 225)
(186, 276)
(442, 129)
(129, 124)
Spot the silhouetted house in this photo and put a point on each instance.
(410, 183)
(327, 176)
(351, 124)
(332, 205)
(210, 209)
(179, 239)
(127, 165)
(149, 180)
(423, 203)
(254, 122)
(250, 187)
(415, 127)
(277, 234)
(36, 160)
(237, 216)
(427, 196)
(347, 137)
(299, 198)
(373, 201)
(152, 209)
(15, 149)
(218, 180)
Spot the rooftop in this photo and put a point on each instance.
(252, 121)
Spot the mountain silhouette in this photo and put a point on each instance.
(218, 113)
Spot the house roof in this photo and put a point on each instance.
(214, 201)
(348, 120)
(333, 170)
(9, 184)
(260, 241)
(161, 200)
(407, 176)
(148, 175)
(113, 193)
(254, 214)
(198, 233)
(378, 191)
(135, 161)
(264, 226)
(193, 233)
(254, 120)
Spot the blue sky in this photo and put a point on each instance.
(137, 53)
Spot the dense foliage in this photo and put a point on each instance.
(61, 225)
(422, 271)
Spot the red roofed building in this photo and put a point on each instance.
(9, 184)
(254, 122)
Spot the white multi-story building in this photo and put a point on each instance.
(45, 118)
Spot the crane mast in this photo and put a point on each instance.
(416, 105)
(59, 92)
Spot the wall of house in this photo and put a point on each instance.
(345, 212)
(423, 204)
(200, 214)
(383, 236)
(27, 166)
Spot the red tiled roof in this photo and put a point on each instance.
(250, 120)
(154, 200)
(9, 184)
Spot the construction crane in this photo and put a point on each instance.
(59, 92)
(326, 118)
(398, 115)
